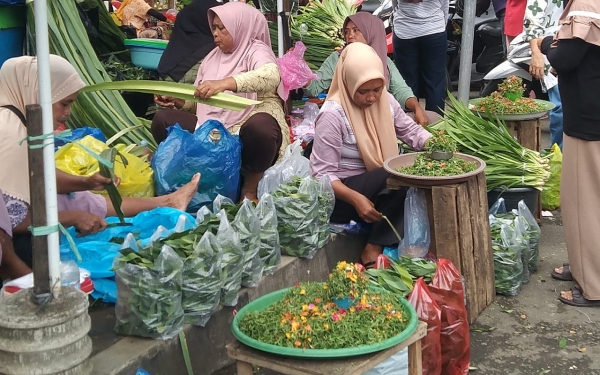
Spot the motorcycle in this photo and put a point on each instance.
(516, 64)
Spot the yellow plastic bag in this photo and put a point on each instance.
(551, 190)
(137, 179)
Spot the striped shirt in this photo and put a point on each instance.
(335, 151)
(413, 20)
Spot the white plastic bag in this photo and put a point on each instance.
(395, 365)
(416, 241)
(293, 164)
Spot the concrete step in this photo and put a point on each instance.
(120, 355)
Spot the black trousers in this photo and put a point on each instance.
(260, 135)
(372, 185)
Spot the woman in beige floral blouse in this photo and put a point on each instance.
(243, 64)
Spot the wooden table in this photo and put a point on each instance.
(460, 231)
(246, 357)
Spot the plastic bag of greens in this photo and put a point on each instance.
(326, 203)
(232, 261)
(551, 190)
(508, 266)
(522, 239)
(247, 226)
(416, 241)
(148, 293)
(297, 206)
(221, 201)
(293, 164)
(201, 288)
(532, 234)
(499, 207)
(270, 252)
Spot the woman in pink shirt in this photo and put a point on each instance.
(356, 131)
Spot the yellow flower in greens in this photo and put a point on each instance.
(302, 291)
(342, 265)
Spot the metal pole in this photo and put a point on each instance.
(466, 51)
(280, 38)
(43, 61)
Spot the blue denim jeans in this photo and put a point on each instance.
(556, 118)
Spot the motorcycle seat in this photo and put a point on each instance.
(492, 29)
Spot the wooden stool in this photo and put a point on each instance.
(460, 231)
(529, 134)
(246, 357)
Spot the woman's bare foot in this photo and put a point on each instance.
(182, 197)
(567, 294)
(369, 255)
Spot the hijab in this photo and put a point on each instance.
(373, 126)
(251, 49)
(133, 12)
(190, 41)
(581, 20)
(373, 30)
(19, 88)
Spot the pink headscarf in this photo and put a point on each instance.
(373, 30)
(251, 49)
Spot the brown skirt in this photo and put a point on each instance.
(580, 205)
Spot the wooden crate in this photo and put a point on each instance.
(246, 357)
(529, 134)
(460, 232)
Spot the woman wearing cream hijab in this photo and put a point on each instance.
(355, 132)
(575, 54)
(77, 206)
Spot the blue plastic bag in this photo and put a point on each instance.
(11, 2)
(211, 150)
(78, 134)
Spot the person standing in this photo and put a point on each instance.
(420, 45)
(513, 19)
(575, 54)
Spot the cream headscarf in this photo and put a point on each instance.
(19, 88)
(373, 127)
(581, 20)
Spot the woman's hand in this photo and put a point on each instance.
(421, 117)
(98, 182)
(366, 209)
(88, 223)
(537, 66)
(168, 102)
(209, 88)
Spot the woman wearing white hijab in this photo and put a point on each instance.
(575, 54)
(77, 206)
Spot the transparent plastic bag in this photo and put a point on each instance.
(294, 70)
(508, 266)
(397, 364)
(149, 298)
(416, 241)
(232, 261)
(429, 312)
(270, 252)
(551, 190)
(293, 164)
(297, 206)
(201, 289)
(532, 234)
(326, 204)
(522, 239)
(499, 207)
(221, 201)
(247, 226)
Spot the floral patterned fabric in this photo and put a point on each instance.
(17, 209)
(541, 18)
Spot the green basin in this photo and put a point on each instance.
(263, 302)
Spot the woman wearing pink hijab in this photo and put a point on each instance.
(243, 64)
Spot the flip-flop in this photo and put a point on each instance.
(369, 265)
(565, 275)
(578, 299)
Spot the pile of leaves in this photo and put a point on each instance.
(119, 70)
(400, 277)
(307, 318)
(425, 166)
(440, 141)
(347, 280)
(498, 104)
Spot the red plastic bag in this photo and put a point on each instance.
(429, 312)
(447, 290)
(294, 71)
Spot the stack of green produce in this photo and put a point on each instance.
(105, 110)
(120, 70)
(508, 164)
(326, 203)
(508, 262)
(149, 287)
(297, 206)
(400, 277)
(270, 252)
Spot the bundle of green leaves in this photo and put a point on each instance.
(399, 278)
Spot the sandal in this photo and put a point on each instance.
(578, 299)
(565, 275)
(369, 265)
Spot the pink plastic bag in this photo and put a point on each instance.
(294, 71)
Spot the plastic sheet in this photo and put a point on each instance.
(416, 241)
(397, 364)
(294, 70)
(429, 312)
(79, 133)
(270, 252)
(210, 150)
(136, 177)
(447, 290)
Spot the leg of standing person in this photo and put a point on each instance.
(432, 50)
(406, 58)
(165, 118)
(261, 139)
(556, 118)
